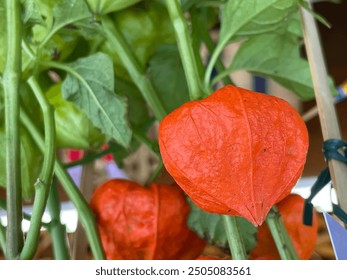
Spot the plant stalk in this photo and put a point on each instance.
(44, 181)
(12, 75)
(279, 233)
(85, 214)
(185, 46)
(236, 245)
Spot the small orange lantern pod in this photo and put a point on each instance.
(303, 237)
(137, 223)
(236, 152)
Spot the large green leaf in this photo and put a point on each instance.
(211, 228)
(90, 85)
(167, 75)
(277, 56)
(249, 17)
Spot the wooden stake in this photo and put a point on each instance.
(325, 104)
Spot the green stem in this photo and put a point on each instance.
(12, 74)
(44, 181)
(88, 159)
(214, 58)
(185, 46)
(85, 214)
(279, 233)
(3, 239)
(202, 29)
(56, 229)
(136, 71)
(236, 245)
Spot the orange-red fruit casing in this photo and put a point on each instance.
(138, 223)
(236, 152)
(303, 237)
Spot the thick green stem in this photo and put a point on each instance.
(85, 214)
(279, 233)
(56, 229)
(236, 245)
(12, 74)
(136, 71)
(44, 181)
(185, 46)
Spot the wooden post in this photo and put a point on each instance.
(325, 103)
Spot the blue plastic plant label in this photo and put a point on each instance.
(338, 236)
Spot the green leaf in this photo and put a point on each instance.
(277, 56)
(90, 85)
(168, 78)
(249, 17)
(73, 129)
(137, 106)
(211, 227)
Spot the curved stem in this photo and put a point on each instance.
(201, 27)
(279, 233)
(211, 64)
(56, 229)
(12, 74)
(135, 70)
(85, 214)
(236, 245)
(185, 47)
(44, 181)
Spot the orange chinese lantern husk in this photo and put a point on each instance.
(142, 224)
(236, 152)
